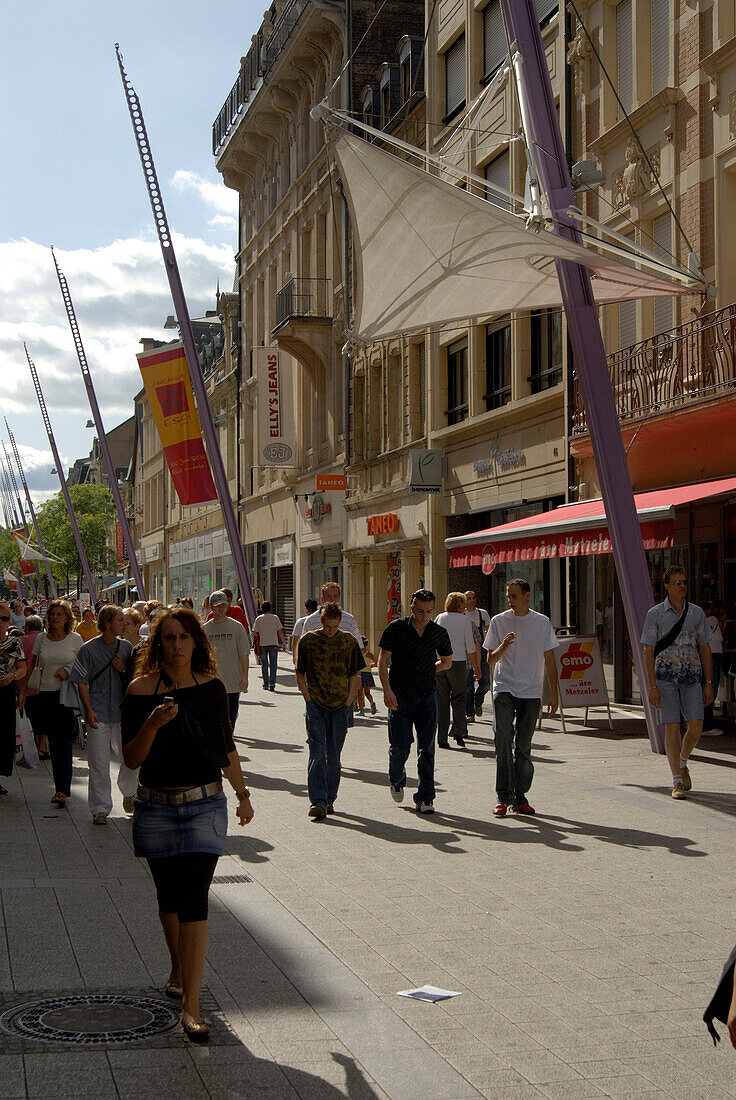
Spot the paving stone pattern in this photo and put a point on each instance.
(585, 941)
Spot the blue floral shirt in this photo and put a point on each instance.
(680, 662)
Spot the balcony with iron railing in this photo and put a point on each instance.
(304, 300)
(254, 67)
(690, 364)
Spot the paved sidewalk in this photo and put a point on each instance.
(585, 941)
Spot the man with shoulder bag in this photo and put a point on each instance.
(675, 643)
(100, 674)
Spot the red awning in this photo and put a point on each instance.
(576, 530)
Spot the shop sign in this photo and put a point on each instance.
(580, 673)
(500, 459)
(383, 525)
(319, 509)
(425, 470)
(656, 534)
(119, 544)
(330, 481)
(488, 560)
(282, 553)
(275, 413)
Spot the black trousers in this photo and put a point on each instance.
(183, 884)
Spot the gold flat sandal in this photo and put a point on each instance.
(196, 1032)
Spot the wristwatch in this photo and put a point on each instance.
(240, 795)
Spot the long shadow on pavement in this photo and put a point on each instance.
(558, 832)
(396, 834)
(722, 801)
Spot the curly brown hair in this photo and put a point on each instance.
(151, 657)
(66, 608)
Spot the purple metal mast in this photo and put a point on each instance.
(97, 416)
(32, 510)
(187, 336)
(62, 481)
(543, 134)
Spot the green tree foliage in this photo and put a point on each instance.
(94, 508)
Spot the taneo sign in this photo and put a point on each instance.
(383, 525)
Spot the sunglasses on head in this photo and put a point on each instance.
(4, 618)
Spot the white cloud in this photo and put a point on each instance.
(120, 294)
(221, 198)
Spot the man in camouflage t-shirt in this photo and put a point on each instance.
(327, 672)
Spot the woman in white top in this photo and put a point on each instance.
(55, 651)
(716, 619)
(451, 683)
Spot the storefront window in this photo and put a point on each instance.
(325, 564)
(705, 573)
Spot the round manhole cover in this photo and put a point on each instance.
(91, 1018)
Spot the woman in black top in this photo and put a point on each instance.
(176, 729)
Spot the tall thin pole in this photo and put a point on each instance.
(112, 476)
(535, 89)
(32, 510)
(34, 578)
(190, 349)
(9, 509)
(62, 481)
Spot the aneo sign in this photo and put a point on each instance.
(580, 673)
(387, 524)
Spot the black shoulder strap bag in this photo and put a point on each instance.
(673, 634)
(97, 674)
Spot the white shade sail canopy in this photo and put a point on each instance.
(429, 253)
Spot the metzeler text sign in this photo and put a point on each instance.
(580, 673)
(275, 413)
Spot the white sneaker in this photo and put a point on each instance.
(713, 732)
(397, 793)
(425, 807)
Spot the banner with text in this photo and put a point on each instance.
(169, 391)
(580, 673)
(276, 439)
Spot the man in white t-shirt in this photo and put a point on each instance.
(521, 645)
(310, 606)
(269, 631)
(232, 650)
(331, 594)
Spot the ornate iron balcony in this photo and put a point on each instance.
(692, 363)
(304, 299)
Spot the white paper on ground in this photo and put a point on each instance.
(428, 993)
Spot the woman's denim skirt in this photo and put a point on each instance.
(162, 831)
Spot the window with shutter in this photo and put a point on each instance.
(626, 324)
(457, 383)
(546, 9)
(495, 45)
(499, 172)
(422, 390)
(624, 55)
(662, 247)
(455, 78)
(660, 44)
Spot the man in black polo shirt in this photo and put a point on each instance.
(407, 665)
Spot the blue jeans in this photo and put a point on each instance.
(414, 713)
(326, 730)
(474, 695)
(513, 726)
(708, 718)
(269, 664)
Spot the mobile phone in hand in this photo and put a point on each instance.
(169, 701)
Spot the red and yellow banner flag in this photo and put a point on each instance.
(169, 391)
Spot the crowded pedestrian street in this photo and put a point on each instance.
(584, 942)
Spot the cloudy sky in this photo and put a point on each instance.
(70, 177)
